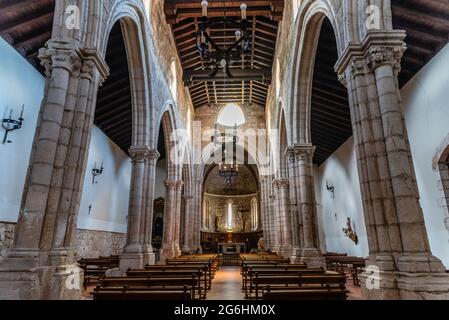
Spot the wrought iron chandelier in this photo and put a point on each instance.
(227, 169)
(222, 56)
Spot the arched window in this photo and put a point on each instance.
(254, 215)
(231, 115)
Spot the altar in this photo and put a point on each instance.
(229, 247)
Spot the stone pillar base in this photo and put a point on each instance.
(393, 285)
(286, 251)
(185, 250)
(168, 253)
(42, 283)
(149, 258)
(131, 261)
(276, 249)
(312, 258)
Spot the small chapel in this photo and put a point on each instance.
(224, 150)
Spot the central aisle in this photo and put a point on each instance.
(226, 285)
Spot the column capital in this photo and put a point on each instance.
(377, 49)
(139, 153)
(281, 183)
(173, 184)
(94, 60)
(303, 151)
(187, 197)
(61, 55)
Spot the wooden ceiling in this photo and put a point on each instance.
(113, 113)
(263, 18)
(26, 25)
(427, 26)
(330, 116)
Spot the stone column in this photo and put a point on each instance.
(177, 222)
(275, 218)
(264, 208)
(149, 182)
(41, 262)
(282, 185)
(400, 256)
(168, 249)
(132, 256)
(188, 224)
(197, 200)
(294, 199)
(310, 252)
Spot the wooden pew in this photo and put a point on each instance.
(341, 263)
(203, 283)
(305, 294)
(323, 280)
(94, 268)
(127, 294)
(147, 284)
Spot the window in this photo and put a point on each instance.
(231, 115)
(254, 216)
(229, 219)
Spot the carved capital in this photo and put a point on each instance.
(304, 152)
(381, 55)
(281, 183)
(94, 61)
(60, 54)
(172, 183)
(153, 154)
(139, 154)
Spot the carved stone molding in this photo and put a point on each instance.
(303, 152)
(60, 58)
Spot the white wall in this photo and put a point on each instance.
(161, 176)
(109, 197)
(426, 106)
(20, 84)
(340, 171)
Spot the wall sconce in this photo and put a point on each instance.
(10, 124)
(331, 189)
(96, 172)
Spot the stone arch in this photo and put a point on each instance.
(135, 30)
(173, 148)
(312, 15)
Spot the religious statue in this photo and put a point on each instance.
(350, 232)
(261, 245)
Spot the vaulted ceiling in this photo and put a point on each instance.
(244, 86)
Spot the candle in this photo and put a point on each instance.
(243, 7)
(238, 35)
(21, 113)
(204, 6)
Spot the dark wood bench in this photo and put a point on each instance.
(120, 283)
(324, 280)
(142, 295)
(305, 294)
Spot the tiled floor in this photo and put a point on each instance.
(226, 285)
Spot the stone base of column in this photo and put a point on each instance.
(295, 258)
(420, 277)
(168, 253)
(131, 261)
(185, 250)
(286, 251)
(42, 283)
(393, 285)
(149, 257)
(276, 249)
(312, 258)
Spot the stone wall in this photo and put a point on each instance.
(92, 244)
(6, 236)
(89, 243)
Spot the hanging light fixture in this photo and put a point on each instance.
(227, 169)
(222, 57)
